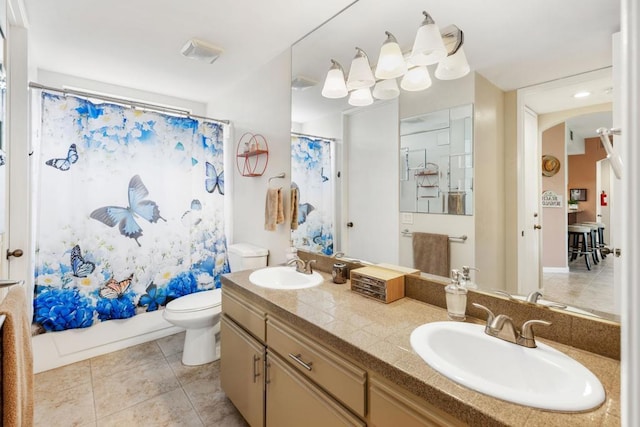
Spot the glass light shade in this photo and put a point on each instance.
(334, 85)
(361, 97)
(391, 63)
(416, 79)
(386, 89)
(360, 74)
(453, 66)
(428, 47)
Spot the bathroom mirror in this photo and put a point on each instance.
(330, 118)
(436, 162)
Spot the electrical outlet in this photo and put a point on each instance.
(407, 218)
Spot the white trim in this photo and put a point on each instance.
(630, 333)
(17, 13)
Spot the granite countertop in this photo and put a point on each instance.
(376, 335)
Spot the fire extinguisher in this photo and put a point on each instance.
(603, 199)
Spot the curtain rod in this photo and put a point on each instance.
(312, 136)
(125, 101)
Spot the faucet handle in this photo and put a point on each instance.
(527, 327)
(307, 268)
(490, 315)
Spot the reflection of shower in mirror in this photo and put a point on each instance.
(612, 154)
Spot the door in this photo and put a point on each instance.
(529, 247)
(372, 196)
(242, 371)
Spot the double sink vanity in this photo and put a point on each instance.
(322, 355)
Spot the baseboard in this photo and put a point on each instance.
(555, 270)
(55, 349)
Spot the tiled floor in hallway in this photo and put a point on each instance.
(592, 289)
(145, 385)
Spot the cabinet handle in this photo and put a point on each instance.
(256, 374)
(298, 358)
(267, 365)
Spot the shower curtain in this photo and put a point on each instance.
(311, 175)
(129, 211)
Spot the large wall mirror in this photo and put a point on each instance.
(371, 166)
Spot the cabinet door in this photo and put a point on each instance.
(293, 401)
(391, 407)
(242, 371)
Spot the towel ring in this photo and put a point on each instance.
(279, 176)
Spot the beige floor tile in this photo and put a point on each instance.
(127, 358)
(63, 378)
(166, 410)
(213, 406)
(172, 344)
(73, 407)
(188, 374)
(132, 386)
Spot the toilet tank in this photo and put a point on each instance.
(245, 256)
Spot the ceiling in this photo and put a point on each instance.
(137, 43)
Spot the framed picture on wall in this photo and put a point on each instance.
(579, 194)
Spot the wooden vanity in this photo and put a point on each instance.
(326, 356)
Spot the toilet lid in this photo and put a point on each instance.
(196, 301)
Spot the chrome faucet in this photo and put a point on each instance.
(502, 326)
(302, 266)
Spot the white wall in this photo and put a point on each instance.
(261, 104)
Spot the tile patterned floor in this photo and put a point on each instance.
(583, 288)
(144, 385)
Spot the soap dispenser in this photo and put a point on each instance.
(456, 297)
(466, 277)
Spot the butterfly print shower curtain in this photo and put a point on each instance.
(311, 168)
(126, 218)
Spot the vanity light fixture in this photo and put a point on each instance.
(386, 89)
(201, 50)
(360, 74)
(334, 84)
(361, 97)
(391, 63)
(455, 65)
(416, 79)
(428, 47)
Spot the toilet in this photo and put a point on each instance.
(199, 313)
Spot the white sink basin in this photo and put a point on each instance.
(284, 278)
(539, 377)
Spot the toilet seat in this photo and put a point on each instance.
(197, 301)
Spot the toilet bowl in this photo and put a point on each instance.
(199, 314)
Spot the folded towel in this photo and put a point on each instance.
(273, 210)
(17, 361)
(431, 253)
(295, 193)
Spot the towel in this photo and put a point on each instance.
(295, 192)
(17, 361)
(273, 210)
(431, 253)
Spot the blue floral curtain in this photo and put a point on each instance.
(129, 211)
(311, 175)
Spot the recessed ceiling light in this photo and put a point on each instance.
(582, 94)
(202, 51)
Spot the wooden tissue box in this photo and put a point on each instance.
(378, 283)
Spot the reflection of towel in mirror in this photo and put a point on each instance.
(431, 253)
(17, 361)
(295, 193)
(273, 210)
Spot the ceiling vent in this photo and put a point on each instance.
(202, 51)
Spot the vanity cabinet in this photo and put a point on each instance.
(293, 400)
(242, 371)
(389, 406)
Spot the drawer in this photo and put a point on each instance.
(343, 380)
(246, 315)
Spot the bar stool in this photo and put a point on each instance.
(578, 243)
(593, 238)
(601, 242)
